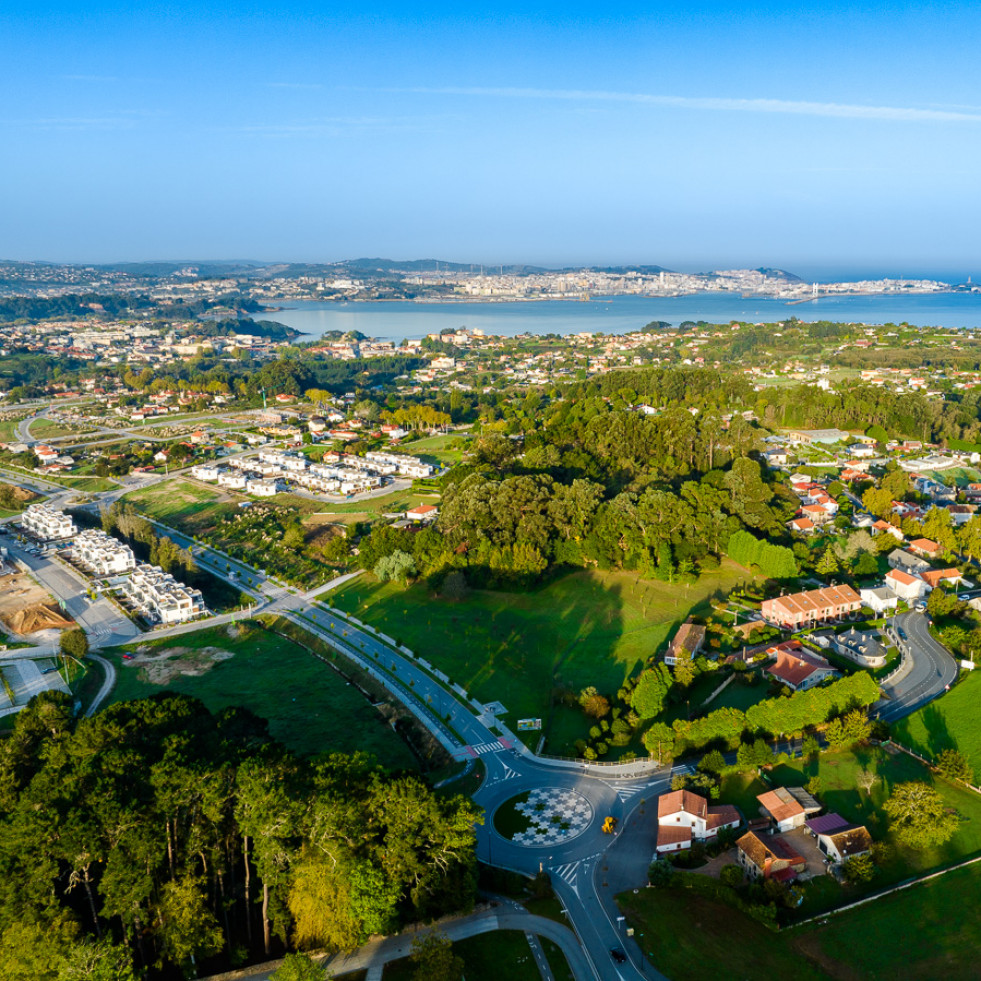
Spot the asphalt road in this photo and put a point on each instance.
(931, 670)
(506, 916)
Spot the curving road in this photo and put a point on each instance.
(110, 670)
(929, 672)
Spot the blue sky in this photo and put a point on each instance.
(694, 135)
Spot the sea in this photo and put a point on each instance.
(401, 320)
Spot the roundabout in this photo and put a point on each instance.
(543, 817)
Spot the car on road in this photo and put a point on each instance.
(618, 955)
(901, 632)
(127, 657)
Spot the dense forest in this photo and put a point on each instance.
(158, 838)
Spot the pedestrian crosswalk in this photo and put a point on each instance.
(625, 793)
(569, 874)
(482, 749)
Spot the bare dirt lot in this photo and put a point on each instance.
(161, 665)
(26, 608)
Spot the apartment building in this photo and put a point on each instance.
(161, 597)
(102, 553)
(811, 606)
(47, 523)
(408, 466)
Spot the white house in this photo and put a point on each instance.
(879, 599)
(909, 563)
(47, 523)
(683, 816)
(905, 586)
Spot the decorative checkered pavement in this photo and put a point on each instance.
(555, 816)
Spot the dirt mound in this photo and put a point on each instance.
(161, 665)
(37, 616)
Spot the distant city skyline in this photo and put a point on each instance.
(834, 142)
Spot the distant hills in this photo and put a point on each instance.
(362, 268)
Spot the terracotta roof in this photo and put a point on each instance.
(670, 834)
(903, 578)
(720, 816)
(780, 806)
(925, 545)
(933, 577)
(815, 600)
(681, 800)
(794, 667)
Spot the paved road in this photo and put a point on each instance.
(107, 685)
(377, 953)
(931, 669)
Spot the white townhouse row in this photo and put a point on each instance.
(102, 553)
(160, 595)
(47, 523)
(409, 466)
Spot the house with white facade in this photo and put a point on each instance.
(103, 554)
(161, 597)
(879, 599)
(47, 523)
(683, 817)
(905, 586)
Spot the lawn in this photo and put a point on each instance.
(442, 450)
(739, 695)
(919, 934)
(486, 957)
(187, 506)
(586, 628)
(310, 708)
(951, 722)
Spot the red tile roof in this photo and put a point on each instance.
(777, 807)
(681, 800)
(670, 834)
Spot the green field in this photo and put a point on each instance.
(919, 934)
(310, 708)
(586, 628)
(486, 957)
(186, 505)
(951, 722)
(442, 450)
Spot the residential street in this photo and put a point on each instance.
(930, 672)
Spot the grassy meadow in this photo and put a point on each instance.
(951, 722)
(310, 708)
(586, 628)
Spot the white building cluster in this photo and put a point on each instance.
(335, 474)
(47, 523)
(102, 554)
(158, 595)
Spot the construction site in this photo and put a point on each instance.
(27, 609)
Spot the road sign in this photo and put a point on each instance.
(525, 724)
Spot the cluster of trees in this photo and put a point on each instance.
(156, 835)
(122, 518)
(776, 716)
(774, 561)
(596, 485)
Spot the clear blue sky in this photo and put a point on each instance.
(695, 135)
